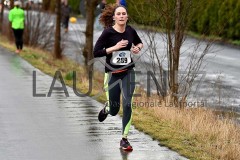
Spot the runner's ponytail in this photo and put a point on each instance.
(106, 19)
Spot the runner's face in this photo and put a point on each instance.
(120, 16)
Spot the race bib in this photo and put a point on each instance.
(121, 57)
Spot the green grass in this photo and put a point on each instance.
(236, 42)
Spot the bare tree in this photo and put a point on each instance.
(57, 44)
(173, 18)
(88, 48)
(39, 29)
(180, 83)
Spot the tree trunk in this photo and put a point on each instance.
(11, 4)
(88, 48)
(57, 44)
(46, 5)
(26, 29)
(174, 50)
(2, 16)
(177, 45)
(49, 5)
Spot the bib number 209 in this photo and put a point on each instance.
(122, 60)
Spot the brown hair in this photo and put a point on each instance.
(106, 18)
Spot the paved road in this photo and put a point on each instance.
(59, 127)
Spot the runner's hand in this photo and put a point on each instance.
(121, 44)
(135, 49)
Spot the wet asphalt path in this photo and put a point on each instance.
(59, 127)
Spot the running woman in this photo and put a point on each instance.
(117, 42)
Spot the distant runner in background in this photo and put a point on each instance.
(121, 2)
(16, 17)
(66, 11)
(100, 7)
(103, 4)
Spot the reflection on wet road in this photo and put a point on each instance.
(60, 127)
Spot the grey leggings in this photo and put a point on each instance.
(121, 82)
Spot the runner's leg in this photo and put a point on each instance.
(128, 86)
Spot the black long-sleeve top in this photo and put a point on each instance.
(111, 37)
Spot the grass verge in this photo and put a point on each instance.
(196, 133)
